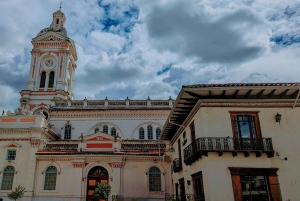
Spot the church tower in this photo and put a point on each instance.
(52, 69)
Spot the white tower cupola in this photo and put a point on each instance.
(52, 69)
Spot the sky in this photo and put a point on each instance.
(141, 48)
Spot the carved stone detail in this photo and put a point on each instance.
(78, 164)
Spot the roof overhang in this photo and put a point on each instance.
(190, 95)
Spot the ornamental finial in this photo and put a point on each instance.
(60, 5)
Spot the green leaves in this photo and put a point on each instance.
(102, 190)
(17, 193)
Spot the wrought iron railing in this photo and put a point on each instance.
(142, 145)
(185, 197)
(61, 146)
(202, 146)
(177, 165)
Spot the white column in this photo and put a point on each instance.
(47, 81)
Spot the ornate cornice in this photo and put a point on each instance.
(249, 104)
(21, 130)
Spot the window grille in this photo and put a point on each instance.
(141, 133)
(43, 80)
(113, 131)
(11, 155)
(67, 132)
(154, 179)
(8, 178)
(158, 131)
(105, 129)
(50, 178)
(51, 80)
(150, 132)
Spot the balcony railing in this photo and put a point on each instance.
(202, 146)
(141, 145)
(177, 165)
(185, 197)
(63, 146)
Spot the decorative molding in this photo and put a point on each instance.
(252, 105)
(118, 164)
(35, 142)
(78, 164)
(14, 139)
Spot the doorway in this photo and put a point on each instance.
(96, 174)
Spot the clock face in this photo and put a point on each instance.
(49, 63)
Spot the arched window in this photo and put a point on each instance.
(150, 132)
(113, 131)
(57, 20)
(96, 130)
(50, 178)
(154, 179)
(105, 129)
(67, 132)
(43, 80)
(158, 131)
(8, 178)
(51, 80)
(141, 133)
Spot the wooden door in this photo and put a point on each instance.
(96, 174)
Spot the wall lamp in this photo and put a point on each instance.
(278, 117)
(188, 183)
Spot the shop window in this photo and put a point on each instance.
(255, 184)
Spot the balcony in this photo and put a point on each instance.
(185, 197)
(62, 146)
(177, 165)
(202, 146)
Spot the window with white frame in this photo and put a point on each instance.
(105, 129)
(141, 133)
(11, 154)
(8, 178)
(150, 132)
(158, 131)
(50, 178)
(154, 179)
(113, 131)
(68, 132)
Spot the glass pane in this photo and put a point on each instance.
(254, 188)
(244, 126)
(11, 155)
(50, 181)
(7, 181)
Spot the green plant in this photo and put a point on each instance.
(102, 190)
(17, 193)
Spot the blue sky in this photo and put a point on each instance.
(141, 48)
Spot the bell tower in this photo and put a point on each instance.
(52, 69)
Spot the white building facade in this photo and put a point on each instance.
(59, 148)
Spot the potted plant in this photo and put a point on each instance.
(17, 193)
(102, 190)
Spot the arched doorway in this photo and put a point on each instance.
(96, 174)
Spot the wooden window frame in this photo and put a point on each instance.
(194, 177)
(254, 114)
(269, 173)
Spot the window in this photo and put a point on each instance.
(11, 155)
(96, 130)
(50, 178)
(8, 178)
(154, 179)
(198, 184)
(245, 125)
(141, 133)
(67, 132)
(57, 21)
(113, 131)
(158, 131)
(255, 183)
(150, 132)
(51, 80)
(105, 129)
(43, 80)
